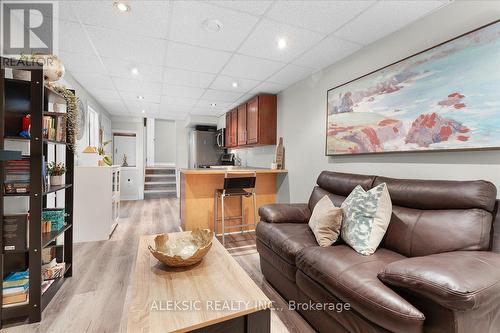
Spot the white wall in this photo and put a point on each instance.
(132, 178)
(301, 110)
(165, 142)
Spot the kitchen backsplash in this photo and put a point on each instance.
(261, 157)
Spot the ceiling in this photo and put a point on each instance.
(183, 68)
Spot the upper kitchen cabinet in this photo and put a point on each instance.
(232, 128)
(261, 119)
(242, 125)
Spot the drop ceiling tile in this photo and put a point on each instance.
(291, 74)
(105, 95)
(223, 82)
(206, 104)
(172, 109)
(187, 78)
(114, 106)
(146, 18)
(264, 39)
(136, 107)
(251, 67)
(368, 26)
(122, 68)
(137, 86)
(125, 46)
(72, 38)
(189, 18)
(132, 96)
(195, 58)
(248, 6)
(322, 16)
(327, 52)
(178, 101)
(172, 116)
(217, 96)
(95, 81)
(75, 62)
(205, 112)
(182, 91)
(269, 88)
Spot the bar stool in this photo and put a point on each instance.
(240, 184)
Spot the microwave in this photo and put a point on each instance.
(220, 138)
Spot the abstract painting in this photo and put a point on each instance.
(444, 98)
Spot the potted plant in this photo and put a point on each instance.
(56, 172)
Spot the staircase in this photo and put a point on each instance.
(159, 182)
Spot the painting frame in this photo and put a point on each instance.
(389, 65)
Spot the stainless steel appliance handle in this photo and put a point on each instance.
(219, 144)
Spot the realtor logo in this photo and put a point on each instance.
(27, 27)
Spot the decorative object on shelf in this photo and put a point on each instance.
(280, 155)
(56, 216)
(124, 162)
(15, 232)
(184, 250)
(19, 74)
(438, 99)
(56, 172)
(72, 116)
(53, 270)
(17, 176)
(26, 127)
(81, 119)
(53, 68)
(106, 160)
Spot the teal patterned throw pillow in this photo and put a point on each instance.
(366, 218)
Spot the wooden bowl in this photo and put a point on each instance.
(182, 251)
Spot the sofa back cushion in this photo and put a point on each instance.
(338, 186)
(434, 216)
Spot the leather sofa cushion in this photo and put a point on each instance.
(440, 194)
(318, 193)
(279, 213)
(286, 239)
(352, 278)
(460, 280)
(415, 232)
(343, 183)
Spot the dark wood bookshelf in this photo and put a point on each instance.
(19, 98)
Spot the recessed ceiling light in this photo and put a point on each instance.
(143, 111)
(282, 43)
(213, 104)
(235, 84)
(121, 6)
(134, 71)
(140, 97)
(212, 25)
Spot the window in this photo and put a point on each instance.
(93, 127)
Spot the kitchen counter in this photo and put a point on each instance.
(197, 188)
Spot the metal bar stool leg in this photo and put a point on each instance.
(254, 210)
(222, 219)
(242, 215)
(216, 207)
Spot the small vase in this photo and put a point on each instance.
(56, 180)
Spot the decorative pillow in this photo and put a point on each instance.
(325, 222)
(366, 218)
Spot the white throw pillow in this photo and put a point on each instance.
(325, 222)
(366, 218)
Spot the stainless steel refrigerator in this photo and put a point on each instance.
(203, 149)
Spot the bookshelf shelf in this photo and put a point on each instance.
(48, 237)
(19, 98)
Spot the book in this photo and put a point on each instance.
(15, 298)
(15, 290)
(15, 232)
(16, 283)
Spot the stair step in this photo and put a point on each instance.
(160, 175)
(160, 191)
(160, 183)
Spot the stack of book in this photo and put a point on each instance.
(17, 176)
(15, 288)
(54, 128)
(15, 232)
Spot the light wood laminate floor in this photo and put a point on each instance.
(96, 298)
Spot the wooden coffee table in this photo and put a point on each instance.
(215, 295)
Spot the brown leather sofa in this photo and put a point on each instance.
(436, 270)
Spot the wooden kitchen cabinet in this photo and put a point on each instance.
(242, 125)
(232, 128)
(261, 120)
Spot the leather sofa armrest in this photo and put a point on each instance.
(460, 280)
(285, 213)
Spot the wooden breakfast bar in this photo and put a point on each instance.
(197, 188)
